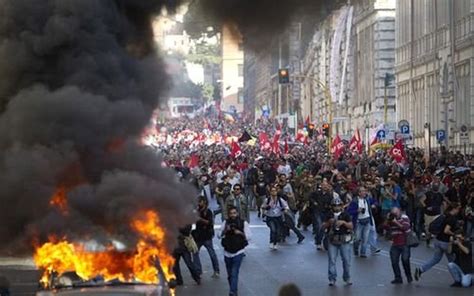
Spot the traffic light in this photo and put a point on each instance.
(311, 130)
(326, 129)
(283, 76)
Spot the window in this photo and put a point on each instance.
(240, 95)
(241, 70)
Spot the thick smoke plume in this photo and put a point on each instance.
(79, 80)
(261, 20)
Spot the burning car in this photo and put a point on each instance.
(91, 268)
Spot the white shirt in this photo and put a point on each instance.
(284, 169)
(363, 204)
(248, 236)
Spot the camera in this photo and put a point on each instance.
(391, 217)
(268, 208)
(362, 211)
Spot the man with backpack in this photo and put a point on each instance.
(235, 234)
(445, 227)
(339, 230)
(274, 208)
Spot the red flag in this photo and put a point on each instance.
(276, 143)
(300, 137)
(337, 147)
(356, 142)
(264, 142)
(286, 146)
(398, 152)
(193, 161)
(235, 152)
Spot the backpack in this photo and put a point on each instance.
(437, 225)
(233, 243)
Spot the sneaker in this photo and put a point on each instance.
(363, 256)
(301, 239)
(409, 280)
(456, 285)
(348, 283)
(423, 235)
(376, 251)
(271, 246)
(397, 282)
(275, 247)
(417, 274)
(215, 275)
(319, 248)
(332, 283)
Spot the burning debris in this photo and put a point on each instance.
(79, 83)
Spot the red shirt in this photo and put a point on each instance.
(399, 235)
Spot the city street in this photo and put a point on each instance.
(264, 271)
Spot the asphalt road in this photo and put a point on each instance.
(264, 271)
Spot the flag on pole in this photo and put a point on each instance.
(264, 142)
(235, 150)
(337, 147)
(356, 142)
(286, 146)
(276, 143)
(245, 137)
(193, 161)
(398, 152)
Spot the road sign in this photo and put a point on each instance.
(464, 135)
(405, 129)
(402, 123)
(440, 135)
(381, 134)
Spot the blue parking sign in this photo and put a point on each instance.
(405, 129)
(440, 135)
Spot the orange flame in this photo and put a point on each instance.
(59, 200)
(138, 264)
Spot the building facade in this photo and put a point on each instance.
(345, 65)
(434, 68)
(232, 78)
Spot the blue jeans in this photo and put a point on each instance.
(459, 276)
(373, 238)
(362, 237)
(232, 265)
(275, 224)
(333, 253)
(395, 253)
(318, 232)
(212, 254)
(440, 249)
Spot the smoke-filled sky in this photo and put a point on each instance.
(261, 20)
(75, 78)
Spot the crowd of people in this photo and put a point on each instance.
(350, 200)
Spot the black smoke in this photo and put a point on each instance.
(259, 21)
(77, 76)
